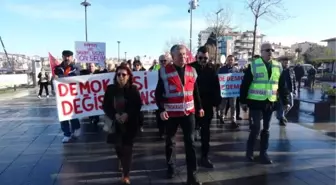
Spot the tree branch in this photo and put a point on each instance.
(222, 23)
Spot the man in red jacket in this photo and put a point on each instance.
(178, 99)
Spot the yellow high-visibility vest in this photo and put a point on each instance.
(262, 87)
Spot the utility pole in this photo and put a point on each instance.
(118, 51)
(85, 4)
(217, 33)
(125, 56)
(193, 4)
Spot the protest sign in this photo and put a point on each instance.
(230, 84)
(90, 52)
(83, 96)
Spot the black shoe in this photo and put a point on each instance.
(221, 120)
(264, 159)
(205, 162)
(234, 125)
(170, 173)
(249, 158)
(282, 122)
(193, 181)
(239, 118)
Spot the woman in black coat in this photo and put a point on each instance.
(122, 104)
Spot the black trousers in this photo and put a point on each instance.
(52, 85)
(187, 124)
(45, 86)
(141, 118)
(124, 154)
(299, 83)
(160, 123)
(257, 116)
(204, 124)
(237, 107)
(94, 119)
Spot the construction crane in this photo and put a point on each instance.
(8, 61)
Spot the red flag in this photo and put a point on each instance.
(191, 58)
(53, 63)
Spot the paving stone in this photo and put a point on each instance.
(31, 153)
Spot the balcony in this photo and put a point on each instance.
(246, 40)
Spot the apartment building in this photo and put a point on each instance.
(331, 43)
(244, 44)
(20, 61)
(204, 35)
(304, 46)
(234, 43)
(280, 50)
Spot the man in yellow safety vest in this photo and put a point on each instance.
(260, 89)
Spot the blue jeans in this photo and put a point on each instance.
(65, 126)
(280, 110)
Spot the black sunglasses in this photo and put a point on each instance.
(121, 74)
(268, 50)
(203, 58)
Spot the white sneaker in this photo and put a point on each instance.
(39, 96)
(66, 139)
(47, 96)
(76, 133)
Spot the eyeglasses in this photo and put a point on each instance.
(203, 58)
(121, 74)
(162, 61)
(268, 50)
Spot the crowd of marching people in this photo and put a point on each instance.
(187, 96)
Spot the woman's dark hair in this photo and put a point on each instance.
(123, 66)
(137, 62)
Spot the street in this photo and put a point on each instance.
(31, 153)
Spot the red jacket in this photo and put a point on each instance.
(179, 98)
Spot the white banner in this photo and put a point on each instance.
(82, 96)
(90, 52)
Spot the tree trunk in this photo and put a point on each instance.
(254, 34)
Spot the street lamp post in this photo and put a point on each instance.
(125, 56)
(118, 51)
(85, 4)
(217, 33)
(193, 4)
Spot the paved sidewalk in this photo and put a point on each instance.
(31, 153)
(19, 93)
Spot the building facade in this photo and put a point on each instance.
(304, 46)
(331, 43)
(20, 61)
(281, 51)
(239, 44)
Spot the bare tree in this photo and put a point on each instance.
(173, 41)
(273, 9)
(219, 21)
